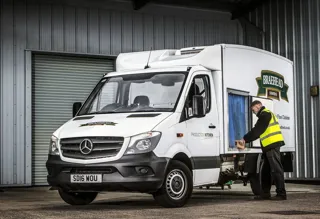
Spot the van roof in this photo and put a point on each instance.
(209, 57)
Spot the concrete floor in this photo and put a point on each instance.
(303, 202)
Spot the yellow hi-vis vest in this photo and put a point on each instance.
(273, 132)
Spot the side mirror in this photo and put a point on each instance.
(198, 107)
(75, 108)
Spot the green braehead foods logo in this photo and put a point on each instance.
(272, 85)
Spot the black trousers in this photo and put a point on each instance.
(272, 170)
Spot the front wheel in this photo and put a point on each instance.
(78, 198)
(177, 187)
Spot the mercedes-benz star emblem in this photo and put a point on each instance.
(86, 146)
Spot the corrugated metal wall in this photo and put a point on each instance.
(86, 27)
(292, 29)
(58, 82)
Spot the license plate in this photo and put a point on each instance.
(86, 178)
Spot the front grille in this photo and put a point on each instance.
(92, 170)
(102, 147)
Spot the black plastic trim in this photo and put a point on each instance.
(251, 162)
(206, 162)
(83, 118)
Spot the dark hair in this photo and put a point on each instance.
(256, 102)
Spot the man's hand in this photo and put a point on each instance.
(241, 144)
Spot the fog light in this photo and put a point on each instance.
(143, 170)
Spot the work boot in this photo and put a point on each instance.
(279, 197)
(262, 197)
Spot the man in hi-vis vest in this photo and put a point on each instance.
(268, 130)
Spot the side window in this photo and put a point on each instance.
(200, 86)
(202, 82)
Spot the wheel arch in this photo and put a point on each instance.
(182, 157)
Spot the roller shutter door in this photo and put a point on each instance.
(58, 82)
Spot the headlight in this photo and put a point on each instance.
(53, 147)
(143, 143)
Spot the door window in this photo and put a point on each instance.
(200, 86)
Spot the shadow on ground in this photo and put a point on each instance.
(197, 199)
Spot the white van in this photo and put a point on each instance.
(166, 121)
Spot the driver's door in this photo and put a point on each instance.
(203, 134)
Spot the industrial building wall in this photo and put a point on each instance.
(292, 29)
(82, 27)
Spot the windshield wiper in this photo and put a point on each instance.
(133, 111)
(146, 110)
(107, 112)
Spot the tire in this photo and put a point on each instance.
(78, 198)
(170, 196)
(254, 180)
(257, 180)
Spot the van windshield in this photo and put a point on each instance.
(147, 92)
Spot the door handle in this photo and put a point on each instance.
(212, 126)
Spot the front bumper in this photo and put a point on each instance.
(120, 175)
